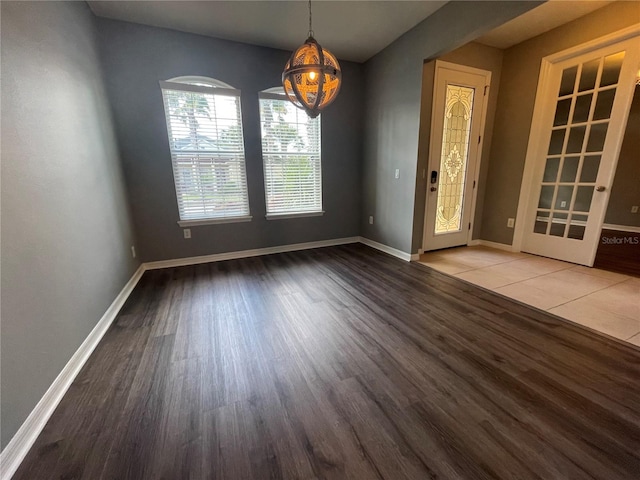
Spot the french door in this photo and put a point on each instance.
(457, 120)
(587, 100)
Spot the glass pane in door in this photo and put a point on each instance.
(586, 96)
(454, 158)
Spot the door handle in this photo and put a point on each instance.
(600, 188)
(433, 189)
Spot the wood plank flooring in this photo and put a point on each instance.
(619, 252)
(341, 363)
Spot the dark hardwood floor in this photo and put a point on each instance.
(341, 362)
(619, 252)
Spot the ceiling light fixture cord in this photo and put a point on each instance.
(310, 28)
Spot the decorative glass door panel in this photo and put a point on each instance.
(454, 158)
(578, 149)
(459, 105)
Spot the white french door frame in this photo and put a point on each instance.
(433, 135)
(544, 101)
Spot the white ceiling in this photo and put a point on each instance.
(352, 30)
(541, 19)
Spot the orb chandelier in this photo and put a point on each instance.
(312, 76)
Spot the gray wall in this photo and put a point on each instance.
(136, 57)
(625, 191)
(65, 228)
(392, 115)
(472, 55)
(520, 71)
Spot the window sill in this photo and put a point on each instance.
(213, 221)
(280, 216)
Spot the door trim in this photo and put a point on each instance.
(542, 102)
(432, 134)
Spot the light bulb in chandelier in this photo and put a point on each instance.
(312, 76)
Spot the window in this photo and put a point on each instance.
(291, 157)
(204, 125)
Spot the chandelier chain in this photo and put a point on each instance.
(310, 27)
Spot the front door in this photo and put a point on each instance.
(587, 102)
(457, 119)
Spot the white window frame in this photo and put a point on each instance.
(277, 93)
(214, 87)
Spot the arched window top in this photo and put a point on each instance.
(200, 81)
(274, 90)
(196, 84)
(273, 93)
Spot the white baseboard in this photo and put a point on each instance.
(25, 437)
(217, 257)
(621, 228)
(407, 257)
(496, 245)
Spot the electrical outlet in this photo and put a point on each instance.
(187, 232)
(397, 173)
(133, 251)
(563, 204)
(370, 219)
(511, 222)
(634, 209)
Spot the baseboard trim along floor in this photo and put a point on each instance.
(256, 252)
(15, 451)
(407, 257)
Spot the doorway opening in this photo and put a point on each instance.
(582, 105)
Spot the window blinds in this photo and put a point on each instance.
(207, 150)
(291, 157)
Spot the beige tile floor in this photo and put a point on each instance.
(604, 301)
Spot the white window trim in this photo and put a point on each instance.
(185, 87)
(272, 94)
(214, 221)
(212, 82)
(281, 216)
